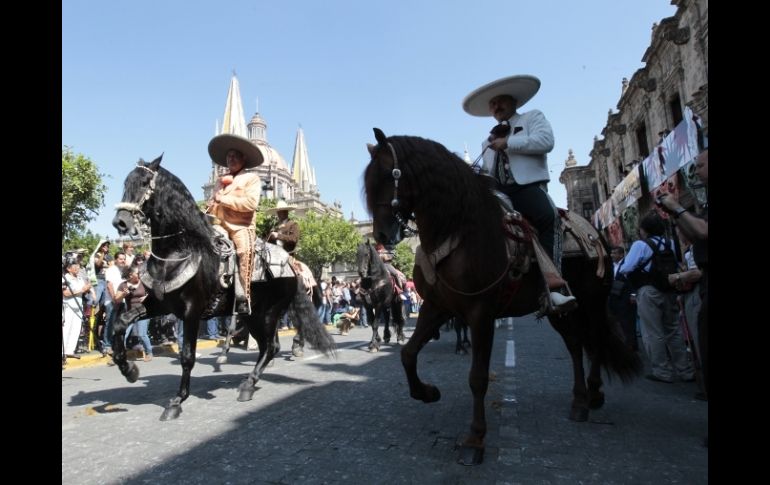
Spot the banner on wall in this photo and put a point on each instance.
(677, 149)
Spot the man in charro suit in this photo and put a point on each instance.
(235, 203)
(515, 155)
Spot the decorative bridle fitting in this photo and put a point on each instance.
(395, 203)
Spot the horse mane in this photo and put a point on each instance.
(177, 209)
(439, 175)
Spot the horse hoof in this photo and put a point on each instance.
(387, 340)
(171, 412)
(429, 394)
(133, 372)
(297, 352)
(579, 415)
(470, 455)
(432, 394)
(222, 359)
(596, 401)
(374, 349)
(245, 394)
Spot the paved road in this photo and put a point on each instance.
(350, 420)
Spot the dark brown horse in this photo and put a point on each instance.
(414, 178)
(184, 274)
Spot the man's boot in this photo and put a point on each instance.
(242, 306)
(561, 303)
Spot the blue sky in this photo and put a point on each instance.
(145, 77)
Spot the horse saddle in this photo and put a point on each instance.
(581, 239)
(271, 262)
(518, 245)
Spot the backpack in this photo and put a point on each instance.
(663, 264)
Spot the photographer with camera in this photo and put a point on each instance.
(73, 289)
(133, 292)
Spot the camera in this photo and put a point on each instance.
(67, 259)
(659, 200)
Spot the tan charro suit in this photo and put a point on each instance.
(236, 211)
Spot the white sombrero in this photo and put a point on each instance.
(281, 206)
(521, 88)
(220, 144)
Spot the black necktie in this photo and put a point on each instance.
(501, 130)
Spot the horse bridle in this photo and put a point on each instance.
(135, 208)
(395, 203)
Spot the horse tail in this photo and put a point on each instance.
(616, 356)
(309, 324)
(613, 352)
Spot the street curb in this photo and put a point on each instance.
(95, 358)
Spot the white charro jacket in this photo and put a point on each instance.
(530, 139)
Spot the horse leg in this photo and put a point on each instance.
(129, 369)
(298, 343)
(570, 335)
(466, 342)
(400, 324)
(595, 394)
(222, 359)
(429, 320)
(187, 359)
(386, 325)
(459, 348)
(472, 449)
(263, 329)
(374, 344)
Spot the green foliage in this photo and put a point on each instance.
(403, 259)
(265, 223)
(326, 240)
(82, 193)
(79, 239)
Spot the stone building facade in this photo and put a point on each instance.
(651, 104)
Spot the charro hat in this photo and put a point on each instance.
(521, 88)
(280, 206)
(220, 144)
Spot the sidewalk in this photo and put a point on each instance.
(95, 357)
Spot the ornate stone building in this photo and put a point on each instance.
(651, 104)
(581, 185)
(297, 186)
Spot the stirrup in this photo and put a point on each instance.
(556, 303)
(561, 303)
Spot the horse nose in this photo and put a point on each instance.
(120, 225)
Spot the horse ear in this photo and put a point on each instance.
(371, 149)
(380, 136)
(156, 163)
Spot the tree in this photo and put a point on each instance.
(403, 259)
(79, 239)
(82, 192)
(326, 240)
(266, 223)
